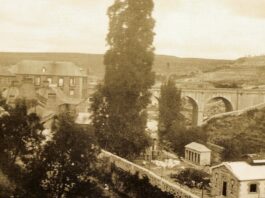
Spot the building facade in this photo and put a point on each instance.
(70, 78)
(238, 180)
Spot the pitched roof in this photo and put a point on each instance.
(198, 147)
(33, 67)
(256, 156)
(61, 97)
(5, 72)
(244, 171)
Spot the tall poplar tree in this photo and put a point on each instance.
(119, 108)
(169, 107)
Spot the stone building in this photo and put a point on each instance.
(197, 154)
(238, 180)
(70, 78)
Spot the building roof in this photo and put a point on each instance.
(5, 72)
(61, 97)
(197, 147)
(244, 171)
(33, 67)
(256, 156)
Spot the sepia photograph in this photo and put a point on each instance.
(132, 99)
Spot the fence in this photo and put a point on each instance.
(154, 179)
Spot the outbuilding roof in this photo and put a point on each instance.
(197, 147)
(244, 171)
(34, 67)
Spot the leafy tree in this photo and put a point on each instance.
(20, 140)
(178, 137)
(234, 148)
(119, 109)
(193, 177)
(130, 185)
(68, 161)
(169, 109)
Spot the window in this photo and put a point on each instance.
(43, 70)
(49, 80)
(72, 92)
(72, 82)
(216, 179)
(253, 188)
(232, 186)
(37, 81)
(60, 82)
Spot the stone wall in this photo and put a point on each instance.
(221, 175)
(154, 179)
(216, 154)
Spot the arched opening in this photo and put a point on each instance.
(190, 111)
(216, 106)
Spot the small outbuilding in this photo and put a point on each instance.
(197, 154)
(238, 180)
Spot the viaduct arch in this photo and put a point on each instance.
(234, 99)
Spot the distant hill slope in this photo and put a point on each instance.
(246, 71)
(162, 65)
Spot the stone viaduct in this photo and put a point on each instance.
(234, 99)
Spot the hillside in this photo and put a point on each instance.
(241, 133)
(163, 65)
(244, 72)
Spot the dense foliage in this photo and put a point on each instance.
(169, 109)
(62, 167)
(129, 185)
(239, 135)
(178, 139)
(68, 161)
(119, 105)
(20, 140)
(193, 178)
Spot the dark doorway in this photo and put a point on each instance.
(224, 189)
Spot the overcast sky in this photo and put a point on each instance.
(185, 28)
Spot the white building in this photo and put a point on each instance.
(238, 180)
(197, 154)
